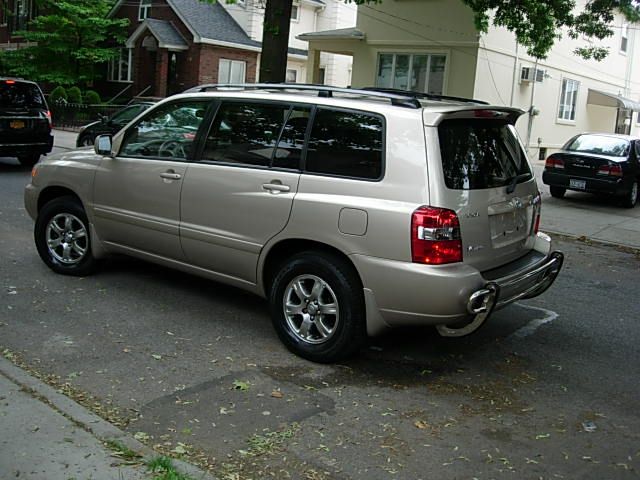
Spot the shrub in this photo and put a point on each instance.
(91, 97)
(74, 95)
(58, 94)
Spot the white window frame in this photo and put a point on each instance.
(232, 64)
(568, 101)
(143, 9)
(624, 38)
(115, 70)
(297, 7)
(410, 71)
(295, 75)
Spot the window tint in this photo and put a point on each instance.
(599, 144)
(245, 133)
(291, 141)
(480, 154)
(18, 94)
(167, 132)
(346, 143)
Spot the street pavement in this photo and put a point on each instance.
(555, 403)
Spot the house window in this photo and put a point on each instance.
(23, 13)
(421, 73)
(120, 66)
(624, 38)
(322, 73)
(231, 71)
(295, 11)
(143, 9)
(568, 100)
(292, 76)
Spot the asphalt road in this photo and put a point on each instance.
(548, 389)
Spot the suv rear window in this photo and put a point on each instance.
(20, 94)
(480, 153)
(346, 143)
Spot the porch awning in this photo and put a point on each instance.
(597, 97)
(166, 34)
(338, 34)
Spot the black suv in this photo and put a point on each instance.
(25, 121)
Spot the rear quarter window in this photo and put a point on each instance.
(480, 153)
(18, 94)
(347, 144)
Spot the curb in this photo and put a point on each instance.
(583, 239)
(92, 423)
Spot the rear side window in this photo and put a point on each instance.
(480, 153)
(346, 143)
(245, 133)
(18, 94)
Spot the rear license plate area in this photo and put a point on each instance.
(578, 184)
(17, 124)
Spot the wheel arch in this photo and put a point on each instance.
(285, 248)
(55, 191)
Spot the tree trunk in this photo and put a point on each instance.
(275, 41)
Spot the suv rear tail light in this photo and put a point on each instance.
(48, 115)
(435, 236)
(612, 169)
(553, 162)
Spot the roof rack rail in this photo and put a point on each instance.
(397, 99)
(426, 96)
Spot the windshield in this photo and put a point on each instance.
(480, 153)
(19, 94)
(599, 144)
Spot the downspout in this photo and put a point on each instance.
(515, 75)
(532, 111)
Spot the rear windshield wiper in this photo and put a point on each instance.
(513, 181)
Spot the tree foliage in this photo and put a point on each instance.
(71, 39)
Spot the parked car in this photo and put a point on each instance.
(600, 163)
(110, 125)
(25, 121)
(352, 211)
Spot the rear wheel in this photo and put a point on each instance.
(62, 237)
(29, 160)
(85, 141)
(317, 307)
(557, 192)
(631, 198)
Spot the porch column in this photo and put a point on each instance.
(162, 72)
(313, 66)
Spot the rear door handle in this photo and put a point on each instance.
(275, 187)
(171, 175)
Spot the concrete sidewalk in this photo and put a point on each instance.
(48, 436)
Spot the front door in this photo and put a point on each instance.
(239, 193)
(137, 193)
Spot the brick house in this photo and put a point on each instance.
(14, 16)
(175, 44)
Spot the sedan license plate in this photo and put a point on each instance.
(579, 184)
(17, 124)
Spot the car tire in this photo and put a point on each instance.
(29, 160)
(63, 238)
(557, 192)
(85, 141)
(317, 307)
(631, 198)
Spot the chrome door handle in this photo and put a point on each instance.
(171, 175)
(275, 187)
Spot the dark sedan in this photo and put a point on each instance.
(598, 163)
(110, 126)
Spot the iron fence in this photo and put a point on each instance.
(74, 115)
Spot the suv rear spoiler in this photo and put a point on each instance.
(432, 117)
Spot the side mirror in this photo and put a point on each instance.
(103, 118)
(103, 146)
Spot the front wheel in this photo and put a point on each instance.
(85, 141)
(631, 198)
(317, 307)
(62, 237)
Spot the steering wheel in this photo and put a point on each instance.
(172, 148)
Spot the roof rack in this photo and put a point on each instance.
(398, 98)
(426, 96)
